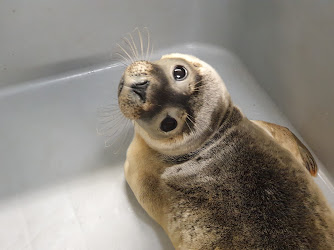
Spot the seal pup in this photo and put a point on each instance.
(209, 176)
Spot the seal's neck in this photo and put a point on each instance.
(231, 118)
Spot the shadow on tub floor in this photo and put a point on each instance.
(141, 213)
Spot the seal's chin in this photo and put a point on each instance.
(168, 124)
(166, 135)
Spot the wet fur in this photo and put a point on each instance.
(240, 189)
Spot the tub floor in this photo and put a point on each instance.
(60, 188)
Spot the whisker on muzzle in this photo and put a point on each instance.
(116, 128)
(135, 46)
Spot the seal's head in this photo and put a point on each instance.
(176, 103)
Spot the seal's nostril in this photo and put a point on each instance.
(120, 86)
(168, 124)
(144, 83)
(140, 89)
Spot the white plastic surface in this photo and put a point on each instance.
(60, 188)
(286, 45)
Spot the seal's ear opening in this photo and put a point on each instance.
(168, 124)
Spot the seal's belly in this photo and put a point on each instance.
(239, 193)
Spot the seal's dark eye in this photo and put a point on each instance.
(180, 73)
(168, 124)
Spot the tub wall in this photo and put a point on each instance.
(42, 38)
(289, 47)
(286, 45)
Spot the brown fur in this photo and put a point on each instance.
(247, 186)
(176, 203)
(289, 141)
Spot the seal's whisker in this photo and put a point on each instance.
(120, 137)
(123, 61)
(196, 135)
(190, 129)
(114, 131)
(202, 130)
(187, 124)
(118, 59)
(141, 43)
(108, 114)
(131, 59)
(109, 120)
(109, 126)
(148, 44)
(111, 133)
(98, 132)
(198, 82)
(197, 127)
(192, 120)
(134, 45)
(124, 58)
(125, 137)
(196, 88)
(107, 131)
(112, 106)
(151, 51)
(110, 110)
(124, 65)
(191, 116)
(126, 40)
(112, 121)
(201, 86)
(114, 126)
(105, 116)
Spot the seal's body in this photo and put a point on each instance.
(209, 176)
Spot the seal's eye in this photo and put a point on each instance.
(180, 73)
(168, 124)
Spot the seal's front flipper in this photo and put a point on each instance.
(307, 157)
(289, 141)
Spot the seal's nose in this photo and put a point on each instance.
(140, 89)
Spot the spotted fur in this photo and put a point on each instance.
(226, 182)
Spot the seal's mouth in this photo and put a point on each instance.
(168, 124)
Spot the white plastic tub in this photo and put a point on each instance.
(60, 188)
